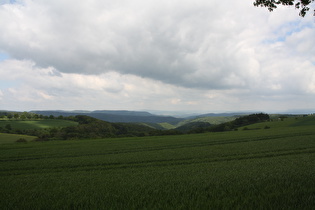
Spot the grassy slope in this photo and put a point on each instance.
(36, 124)
(6, 138)
(167, 125)
(265, 168)
(29, 124)
(211, 120)
(287, 123)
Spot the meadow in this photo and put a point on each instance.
(250, 168)
(36, 124)
(6, 138)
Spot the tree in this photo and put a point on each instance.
(302, 5)
(23, 116)
(9, 116)
(8, 127)
(16, 116)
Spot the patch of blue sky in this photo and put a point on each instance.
(7, 2)
(5, 84)
(4, 56)
(286, 30)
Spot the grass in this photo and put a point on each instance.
(263, 168)
(167, 125)
(36, 124)
(11, 138)
(287, 123)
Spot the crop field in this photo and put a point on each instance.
(255, 168)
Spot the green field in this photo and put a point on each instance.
(36, 124)
(6, 138)
(246, 169)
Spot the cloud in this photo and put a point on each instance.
(168, 54)
(179, 42)
(47, 87)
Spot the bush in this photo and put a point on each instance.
(21, 140)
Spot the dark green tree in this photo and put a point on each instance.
(16, 116)
(9, 116)
(8, 127)
(302, 5)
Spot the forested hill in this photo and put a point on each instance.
(116, 116)
(199, 127)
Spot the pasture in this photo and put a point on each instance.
(245, 169)
(6, 138)
(36, 124)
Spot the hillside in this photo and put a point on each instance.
(6, 138)
(35, 124)
(213, 120)
(228, 125)
(288, 122)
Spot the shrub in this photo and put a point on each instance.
(21, 140)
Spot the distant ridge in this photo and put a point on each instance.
(124, 112)
(115, 116)
(220, 115)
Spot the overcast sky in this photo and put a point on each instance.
(181, 55)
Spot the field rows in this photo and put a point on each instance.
(263, 169)
(192, 153)
(152, 163)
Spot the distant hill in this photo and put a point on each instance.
(151, 120)
(220, 115)
(123, 112)
(193, 126)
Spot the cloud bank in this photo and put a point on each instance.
(140, 54)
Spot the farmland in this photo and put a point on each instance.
(250, 168)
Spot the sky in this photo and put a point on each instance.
(170, 55)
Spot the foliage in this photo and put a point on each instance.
(193, 127)
(256, 169)
(21, 140)
(234, 124)
(302, 5)
(90, 127)
(20, 115)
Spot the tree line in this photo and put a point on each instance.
(4, 115)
